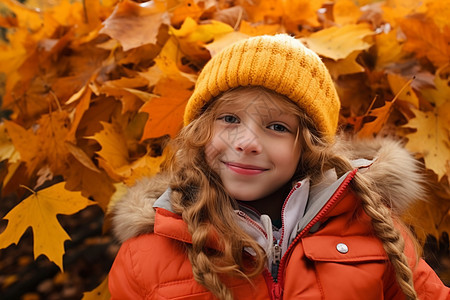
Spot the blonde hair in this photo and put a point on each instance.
(200, 198)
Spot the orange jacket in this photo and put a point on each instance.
(334, 256)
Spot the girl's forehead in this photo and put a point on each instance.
(255, 100)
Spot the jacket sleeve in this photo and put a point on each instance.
(427, 284)
(123, 280)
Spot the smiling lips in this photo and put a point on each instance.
(244, 169)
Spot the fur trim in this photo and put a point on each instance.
(395, 174)
(134, 215)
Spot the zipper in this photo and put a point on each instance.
(283, 209)
(278, 283)
(276, 258)
(277, 249)
(252, 222)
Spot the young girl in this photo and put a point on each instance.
(262, 201)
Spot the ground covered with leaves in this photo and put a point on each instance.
(92, 90)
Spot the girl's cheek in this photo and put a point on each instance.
(211, 153)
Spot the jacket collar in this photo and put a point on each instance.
(395, 173)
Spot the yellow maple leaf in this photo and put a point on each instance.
(101, 292)
(301, 11)
(344, 66)
(397, 84)
(389, 50)
(224, 41)
(259, 10)
(432, 137)
(146, 166)
(27, 17)
(259, 29)
(440, 94)
(114, 152)
(39, 212)
(339, 42)
(346, 12)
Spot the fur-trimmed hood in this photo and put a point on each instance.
(395, 173)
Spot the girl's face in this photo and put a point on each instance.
(254, 146)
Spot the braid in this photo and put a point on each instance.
(385, 230)
(201, 268)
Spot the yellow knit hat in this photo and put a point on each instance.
(279, 63)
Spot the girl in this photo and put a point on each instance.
(262, 201)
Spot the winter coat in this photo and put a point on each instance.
(326, 248)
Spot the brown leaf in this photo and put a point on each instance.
(128, 20)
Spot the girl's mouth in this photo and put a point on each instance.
(244, 169)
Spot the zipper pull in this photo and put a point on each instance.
(276, 258)
(276, 254)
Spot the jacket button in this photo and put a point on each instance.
(342, 248)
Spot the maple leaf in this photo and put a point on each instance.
(114, 152)
(165, 113)
(224, 41)
(425, 39)
(381, 114)
(186, 9)
(259, 10)
(346, 12)
(439, 12)
(389, 49)
(339, 42)
(131, 17)
(345, 66)
(101, 292)
(432, 137)
(259, 29)
(26, 17)
(92, 184)
(39, 212)
(400, 86)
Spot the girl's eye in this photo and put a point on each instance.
(278, 127)
(229, 119)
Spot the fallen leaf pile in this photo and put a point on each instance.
(91, 91)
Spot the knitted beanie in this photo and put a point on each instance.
(279, 63)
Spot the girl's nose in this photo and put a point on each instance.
(248, 142)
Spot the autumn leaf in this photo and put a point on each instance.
(91, 184)
(339, 42)
(346, 12)
(101, 292)
(165, 113)
(27, 17)
(344, 66)
(39, 212)
(400, 86)
(389, 50)
(425, 39)
(224, 41)
(432, 137)
(114, 152)
(439, 11)
(381, 114)
(259, 29)
(130, 16)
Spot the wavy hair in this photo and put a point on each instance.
(200, 198)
